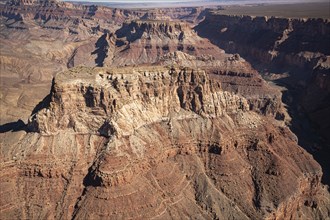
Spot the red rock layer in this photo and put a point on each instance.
(161, 143)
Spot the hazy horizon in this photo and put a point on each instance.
(181, 3)
(205, 1)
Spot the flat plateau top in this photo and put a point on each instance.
(88, 74)
(297, 10)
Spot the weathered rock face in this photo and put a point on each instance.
(297, 51)
(317, 106)
(149, 141)
(41, 38)
(75, 19)
(297, 42)
(190, 14)
(111, 89)
(156, 142)
(146, 96)
(298, 46)
(150, 41)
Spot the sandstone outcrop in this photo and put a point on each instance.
(295, 53)
(147, 41)
(156, 142)
(41, 38)
(183, 131)
(286, 41)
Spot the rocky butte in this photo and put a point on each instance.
(146, 119)
(156, 142)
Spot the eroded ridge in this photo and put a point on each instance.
(158, 142)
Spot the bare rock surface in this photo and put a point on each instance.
(146, 118)
(41, 38)
(293, 53)
(156, 142)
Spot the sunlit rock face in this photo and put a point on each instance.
(145, 118)
(154, 142)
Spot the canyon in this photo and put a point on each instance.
(293, 53)
(161, 113)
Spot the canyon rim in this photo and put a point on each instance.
(163, 113)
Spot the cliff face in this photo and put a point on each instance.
(297, 42)
(160, 92)
(48, 12)
(292, 52)
(41, 38)
(150, 41)
(156, 142)
(110, 90)
(61, 15)
(189, 14)
(162, 141)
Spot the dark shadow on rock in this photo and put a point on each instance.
(91, 179)
(101, 51)
(89, 97)
(132, 31)
(42, 104)
(92, 10)
(12, 16)
(107, 129)
(310, 137)
(45, 103)
(19, 125)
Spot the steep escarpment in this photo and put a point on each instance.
(189, 14)
(60, 16)
(294, 53)
(148, 41)
(156, 142)
(145, 141)
(107, 92)
(317, 106)
(298, 42)
(39, 39)
(274, 45)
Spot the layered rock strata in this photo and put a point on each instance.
(149, 41)
(156, 142)
(297, 47)
(286, 41)
(294, 53)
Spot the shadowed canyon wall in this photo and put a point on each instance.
(146, 118)
(294, 53)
